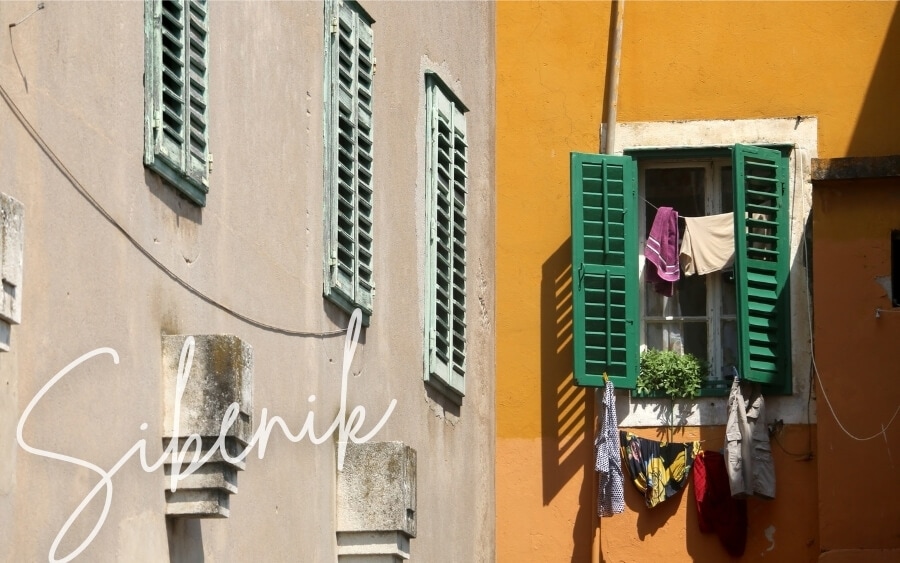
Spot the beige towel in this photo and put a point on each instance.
(708, 244)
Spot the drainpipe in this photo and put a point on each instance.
(607, 146)
(608, 139)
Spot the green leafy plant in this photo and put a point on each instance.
(673, 374)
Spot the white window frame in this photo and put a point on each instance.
(713, 204)
(802, 134)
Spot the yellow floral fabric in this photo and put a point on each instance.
(658, 469)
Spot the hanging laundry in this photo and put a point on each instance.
(611, 496)
(708, 244)
(717, 511)
(661, 252)
(748, 454)
(658, 469)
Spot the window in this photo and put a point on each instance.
(176, 80)
(350, 69)
(446, 179)
(700, 318)
(744, 321)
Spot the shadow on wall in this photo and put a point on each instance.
(879, 118)
(567, 411)
(185, 540)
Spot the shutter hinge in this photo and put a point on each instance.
(157, 120)
(432, 229)
(374, 65)
(209, 163)
(334, 25)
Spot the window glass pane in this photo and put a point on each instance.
(679, 188)
(727, 190)
(682, 337)
(729, 349)
(689, 299)
(729, 297)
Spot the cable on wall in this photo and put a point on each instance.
(815, 369)
(147, 254)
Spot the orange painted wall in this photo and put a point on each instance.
(681, 60)
(857, 358)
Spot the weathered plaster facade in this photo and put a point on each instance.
(693, 64)
(74, 72)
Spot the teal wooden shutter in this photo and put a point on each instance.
(176, 83)
(605, 285)
(762, 265)
(364, 80)
(170, 139)
(351, 68)
(196, 79)
(447, 186)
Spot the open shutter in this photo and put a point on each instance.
(605, 286)
(196, 78)
(762, 265)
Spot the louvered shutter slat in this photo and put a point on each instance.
(605, 284)
(762, 265)
(197, 80)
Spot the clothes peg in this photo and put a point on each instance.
(605, 377)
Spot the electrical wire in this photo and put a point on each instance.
(147, 254)
(815, 369)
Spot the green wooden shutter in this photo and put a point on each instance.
(351, 233)
(447, 177)
(605, 285)
(762, 265)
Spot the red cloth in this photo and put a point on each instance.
(717, 511)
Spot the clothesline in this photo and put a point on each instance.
(680, 217)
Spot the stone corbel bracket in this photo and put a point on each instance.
(376, 503)
(220, 374)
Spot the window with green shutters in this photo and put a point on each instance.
(350, 70)
(729, 319)
(446, 197)
(176, 81)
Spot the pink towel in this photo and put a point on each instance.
(662, 252)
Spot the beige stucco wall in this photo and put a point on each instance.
(75, 72)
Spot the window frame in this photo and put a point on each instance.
(349, 243)
(581, 376)
(449, 375)
(713, 166)
(185, 167)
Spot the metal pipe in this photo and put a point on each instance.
(612, 81)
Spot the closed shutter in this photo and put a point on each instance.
(762, 265)
(352, 71)
(176, 92)
(605, 285)
(170, 141)
(196, 21)
(448, 173)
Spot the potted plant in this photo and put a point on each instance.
(670, 373)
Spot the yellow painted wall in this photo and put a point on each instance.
(680, 61)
